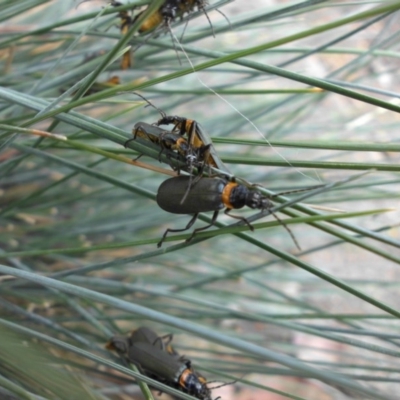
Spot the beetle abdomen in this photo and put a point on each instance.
(204, 195)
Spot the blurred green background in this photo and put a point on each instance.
(294, 94)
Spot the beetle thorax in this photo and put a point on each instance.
(257, 200)
(169, 10)
(196, 388)
(253, 199)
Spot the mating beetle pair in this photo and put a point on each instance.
(197, 150)
(167, 13)
(185, 195)
(156, 358)
(193, 157)
(162, 18)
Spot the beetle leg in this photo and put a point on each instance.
(137, 158)
(163, 344)
(129, 140)
(227, 212)
(159, 154)
(134, 137)
(159, 340)
(213, 219)
(188, 226)
(168, 338)
(183, 358)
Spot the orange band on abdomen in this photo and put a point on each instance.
(182, 378)
(226, 194)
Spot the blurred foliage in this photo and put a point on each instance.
(294, 95)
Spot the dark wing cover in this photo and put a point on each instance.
(204, 195)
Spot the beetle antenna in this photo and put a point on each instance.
(149, 103)
(296, 191)
(224, 384)
(191, 159)
(281, 221)
(209, 21)
(227, 19)
(173, 42)
(184, 30)
(287, 229)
